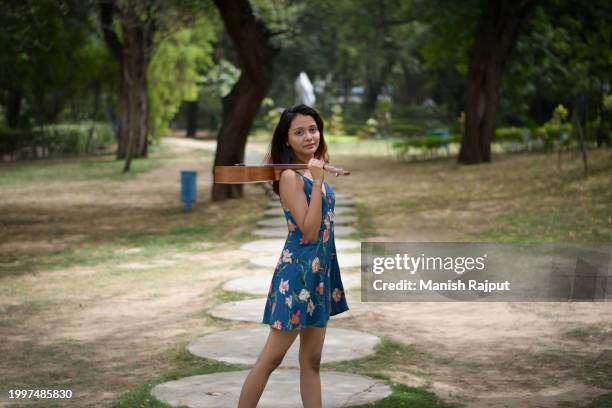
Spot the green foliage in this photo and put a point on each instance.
(383, 113)
(607, 103)
(511, 134)
(272, 114)
(96, 76)
(52, 59)
(563, 56)
(62, 139)
(336, 123)
(280, 16)
(408, 128)
(175, 71)
(546, 137)
(220, 79)
(559, 115)
(449, 34)
(553, 134)
(373, 127)
(430, 143)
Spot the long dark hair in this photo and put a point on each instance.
(279, 152)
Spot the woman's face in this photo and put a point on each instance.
(304, 137)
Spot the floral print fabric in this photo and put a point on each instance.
(306, 287)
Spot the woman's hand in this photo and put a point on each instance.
(316, 169)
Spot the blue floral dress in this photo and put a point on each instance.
(306, 287)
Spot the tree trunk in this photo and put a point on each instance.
(13, 107)
(96, 90)
(133, 55)
(375, 83)
(412, 90)
(483, 99)
(346, 87)
(496, 35)
(251, 39)
(192, 118)
(135, 95)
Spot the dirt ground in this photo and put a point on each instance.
(102, 329)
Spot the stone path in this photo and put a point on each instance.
(347, 202)
(221, 390)
(344, 260)
(338, 210)
(259, 283)
(340, 231)
(281, 222)
(250, 310)
(243, 346)
(275, 246)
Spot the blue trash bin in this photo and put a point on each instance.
(442, 134)
(188, 188)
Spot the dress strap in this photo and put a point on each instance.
(324, 184)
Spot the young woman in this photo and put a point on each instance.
(306, 287)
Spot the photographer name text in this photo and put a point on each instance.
(451, 285)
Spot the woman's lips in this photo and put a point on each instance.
(310, 145)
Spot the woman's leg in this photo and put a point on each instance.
(311, 346)
(270, 357)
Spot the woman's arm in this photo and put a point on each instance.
(308, 218)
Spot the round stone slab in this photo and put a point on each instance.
(344, 201)
(341, 219)
(257, 284)
(339, 201)
(276, 245)
(344, 260)
(222, 390)
(251, 310)
(244, 345)
(337, 210)
(339, 231)
(149, 265)
(260, 284)
(343, 210)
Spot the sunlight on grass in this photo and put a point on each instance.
(69, 170)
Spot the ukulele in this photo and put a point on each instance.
(240, 173)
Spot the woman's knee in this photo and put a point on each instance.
(310, 361)
(271, 362)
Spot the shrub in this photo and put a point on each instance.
(64, 139)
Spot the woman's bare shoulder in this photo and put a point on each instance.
(290, 178)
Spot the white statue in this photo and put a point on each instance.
(304, 91)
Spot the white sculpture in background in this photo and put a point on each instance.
(304, 91)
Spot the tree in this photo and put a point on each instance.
(256, 53)
(133, 46)
(498, 28)
(180, 60)
(38, 38)
(133, 52)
